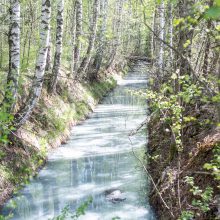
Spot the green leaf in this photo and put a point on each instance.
(213, 13)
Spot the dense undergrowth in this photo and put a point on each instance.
(184, 144)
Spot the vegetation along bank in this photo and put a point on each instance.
(58, 58)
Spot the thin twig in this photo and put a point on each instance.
(158, 192)
(134, 131)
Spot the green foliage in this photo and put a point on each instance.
(170, 104)
(97, 89)
(186, 215)
(214, 164)
(81, 210)
(5, 125)
(64, 214)
(6, 217)
(214, 11)
(201, 202)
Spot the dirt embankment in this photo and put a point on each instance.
(49, 127)
(170, 170)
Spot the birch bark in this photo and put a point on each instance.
(161, 35)
(170, 12)
(24, 113)
(79, 19)
(73, 40)
(101, 38)
(14, 55)
(86, 60)
(59, 45)
(117, 29)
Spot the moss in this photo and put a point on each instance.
(97, 89)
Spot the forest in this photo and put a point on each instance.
(59, 59)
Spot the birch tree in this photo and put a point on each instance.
(79, 19)
(184, 35)
(101, 39)
(170, 30)
(14, 55)
(59, 45)
(161, 35)
(73, 39)
(116, 29)
(208, 44)
(152, 35)
(24, 113)
(93, 28)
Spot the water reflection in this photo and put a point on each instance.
(98, 157)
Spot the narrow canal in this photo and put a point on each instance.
(98, 157)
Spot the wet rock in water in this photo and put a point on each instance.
(114, 195)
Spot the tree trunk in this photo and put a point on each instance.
(79, 18)
(73, 40)
(116, 30)
(14, 55)
(49, 56)
(170, 12)
(86, 60)
(101, 39)
(207, 46)
(152, 36)
(185, 7)
(24, 113)
(59, 45)
(162, 36)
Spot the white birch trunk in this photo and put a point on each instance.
(171, 31)
(49, 56)
(161, 35)
(24, 113)
(59, 45)
(73, 40)
(79, 19)
(152, 36)
(85, 63)
(117, 30)
(101, 39)
(14, 55)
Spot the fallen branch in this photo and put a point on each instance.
(133, 132)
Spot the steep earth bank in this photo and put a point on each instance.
(170, 171)
(50, 126)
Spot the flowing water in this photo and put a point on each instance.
(98, 157)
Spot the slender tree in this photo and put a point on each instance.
(73, 39)
(161, 35)
(93, 28)
(14, 55)
(170, 30)
(101, 39)
(184, 35)
(24, 113)
(49, 56)
(208, 44)
(116, 30)
(59, 45)
(79, 19)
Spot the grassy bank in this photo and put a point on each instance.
(48, 128)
